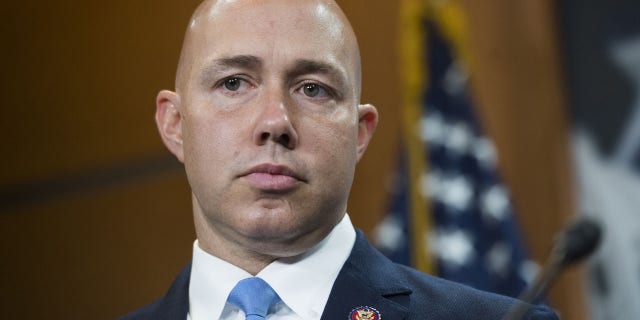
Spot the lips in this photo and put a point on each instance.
(269, 177)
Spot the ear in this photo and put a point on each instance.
(169, 122)
(367, 123)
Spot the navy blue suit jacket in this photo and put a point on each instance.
(369, 279)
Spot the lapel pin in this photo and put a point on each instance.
(364, 313)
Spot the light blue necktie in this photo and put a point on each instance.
(254, 296)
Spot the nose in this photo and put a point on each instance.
(274, 125)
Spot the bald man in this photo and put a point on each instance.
(267, 121)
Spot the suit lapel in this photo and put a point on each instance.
(367, 279)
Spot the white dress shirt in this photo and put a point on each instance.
(303, 282)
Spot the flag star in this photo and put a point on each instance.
(454, 247)
(529, 270)
(455, 80)
(433, 129)
(389, 234)
(494, 203)
(459, 138)
(456, 192)
(498, 259)
(485, 152)
(431, 184)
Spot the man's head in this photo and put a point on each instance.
(267, 120)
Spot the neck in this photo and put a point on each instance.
(210, 242)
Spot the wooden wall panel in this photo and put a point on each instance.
(90, 225)
(81, 82)
(97, 254)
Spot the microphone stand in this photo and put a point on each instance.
(574, 244)
(541, 282)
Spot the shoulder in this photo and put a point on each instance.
(426, 296)
(440, 298)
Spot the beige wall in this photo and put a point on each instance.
(79, 85)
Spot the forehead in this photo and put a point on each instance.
(291, 12)
(277, 31)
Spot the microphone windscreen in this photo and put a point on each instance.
(580, 240)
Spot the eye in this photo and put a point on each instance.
(314, 90)
(232, 84)
(311, 89)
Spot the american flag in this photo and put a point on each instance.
(472, 236)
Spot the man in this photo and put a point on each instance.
(267, 121)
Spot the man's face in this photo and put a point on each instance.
(269, 122)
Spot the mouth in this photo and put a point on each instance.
(274, 178)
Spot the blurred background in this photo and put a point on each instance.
(501, 122)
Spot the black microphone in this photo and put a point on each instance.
(575, 243)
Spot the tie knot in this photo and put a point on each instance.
(254, 296)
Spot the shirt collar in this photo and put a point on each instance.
(212, 279)
(303, 282)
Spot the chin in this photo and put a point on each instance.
(283, 238)
(271, 231)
